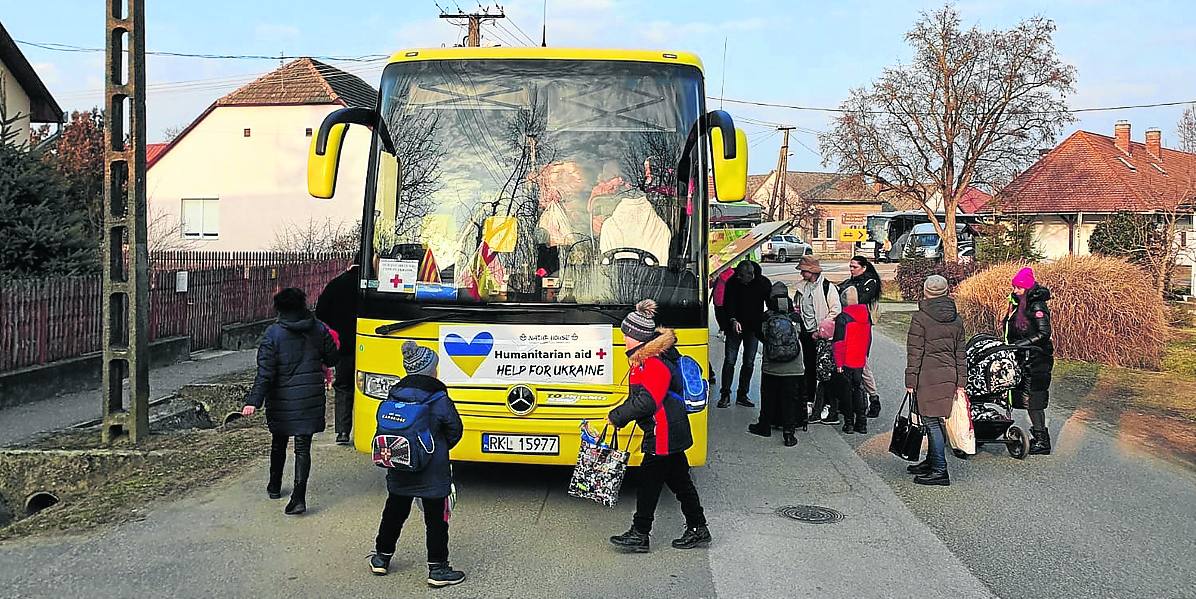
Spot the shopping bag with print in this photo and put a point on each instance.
(960, 433)
(600, 469)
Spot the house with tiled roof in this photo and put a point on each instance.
(26, 99)
(1089, 177)
(235, 179)
(838, 201)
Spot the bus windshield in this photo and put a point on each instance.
(878, 229)
(539, 181)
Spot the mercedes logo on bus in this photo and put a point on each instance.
(521, 400)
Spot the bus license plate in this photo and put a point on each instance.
(533, 444)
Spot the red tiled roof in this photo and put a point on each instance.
(153, 152)
(304, 81)
(974, 200)
(1088, 173)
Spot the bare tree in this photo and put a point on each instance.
(166, 234)
(318, 236)
(1187, 130)
(972, 108)
(172, 132)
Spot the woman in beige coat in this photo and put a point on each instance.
(935, 372)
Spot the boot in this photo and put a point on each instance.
(298, 503)
(743, 400)
(380, 563)
(861, 425)
(790, 439)
(441, 574)
(632, 540)
(1040, 441)
(933, 478)
(724, 400)
(920, 468)
(874, 406)
(274, 486)
(760, 429)
(848, 425)
(694, 536)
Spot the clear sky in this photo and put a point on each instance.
(801, 53)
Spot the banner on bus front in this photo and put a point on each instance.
(509, 354)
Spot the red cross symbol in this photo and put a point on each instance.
(394, 282)
(601, 353)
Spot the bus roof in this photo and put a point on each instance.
(533, 53)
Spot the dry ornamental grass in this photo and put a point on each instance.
(1103, 310)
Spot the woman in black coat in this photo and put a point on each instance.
(290, 383)
(1028, 324)
(867, 285)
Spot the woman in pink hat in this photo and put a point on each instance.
(1028, 324)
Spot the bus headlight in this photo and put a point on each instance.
(376, 386)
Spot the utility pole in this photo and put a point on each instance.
(125, 253)
(782, 168)
(474, 38)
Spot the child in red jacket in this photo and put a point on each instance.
(852, 341)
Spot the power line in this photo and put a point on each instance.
(520, 30)
(56, 47)
(1030, 112)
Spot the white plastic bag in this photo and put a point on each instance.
(960, 433)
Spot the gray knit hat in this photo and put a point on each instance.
(641, 324)
(935, 286)
(418, 359)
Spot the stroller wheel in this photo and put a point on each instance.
(1018, 442)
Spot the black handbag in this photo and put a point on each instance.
(906, 442)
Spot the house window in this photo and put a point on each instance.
(201, 218)
(814, 230)
(830, 228)
(246, 133)
(307, 132)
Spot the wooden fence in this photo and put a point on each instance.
(44, 320)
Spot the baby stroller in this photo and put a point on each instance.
(993, 371)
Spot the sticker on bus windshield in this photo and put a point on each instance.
(508, 354)
(435, 291)
(397, 276)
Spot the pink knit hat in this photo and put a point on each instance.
(1024, 278)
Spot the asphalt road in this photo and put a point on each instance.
(1099, 519)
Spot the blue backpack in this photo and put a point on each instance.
(695, 389)
(403, 438)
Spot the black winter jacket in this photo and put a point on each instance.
(746, 303)
(436, 479)
(337, 307)
(1038, 334)
(867, 287)
(290, 374)
(661, 414)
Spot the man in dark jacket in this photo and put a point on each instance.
(290, 383)
(433, 484)
(337, 307)
(654, 403)
(744, 303)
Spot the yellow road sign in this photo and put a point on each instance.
(853, 235)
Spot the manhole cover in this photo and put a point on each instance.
(810, 514)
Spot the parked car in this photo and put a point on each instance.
(924, 242)
(783, 248)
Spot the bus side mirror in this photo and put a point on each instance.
(324, 156)
(730, 174)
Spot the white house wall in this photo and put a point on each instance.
(260, 180)
(16, 102)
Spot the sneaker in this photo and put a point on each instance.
(342, 438)
(724, 401)
(694, 536)
(874, 406)
(743, 400)
(790, 439)
(861, 425)
(380, 563)
(443, 575)
(632, 540)
(831, 419)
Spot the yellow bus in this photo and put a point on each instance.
(518, 203)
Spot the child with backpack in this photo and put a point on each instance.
(782, 368)
(852, 342)
(417, 426)
(290, 383)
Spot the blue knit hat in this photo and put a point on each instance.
(418, 359)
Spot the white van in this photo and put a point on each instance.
(925, 242)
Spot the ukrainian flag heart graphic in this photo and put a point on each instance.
(468, 355)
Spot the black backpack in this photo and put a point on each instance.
(781, 343)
